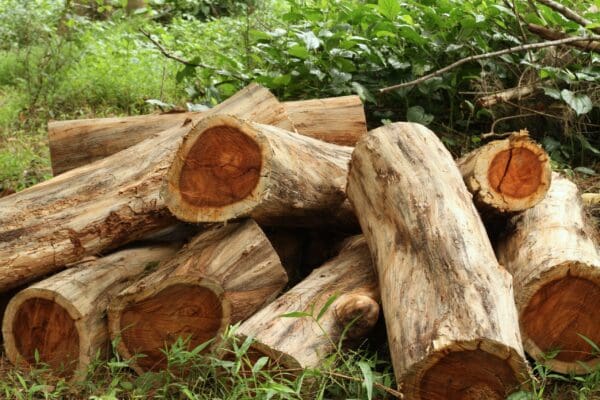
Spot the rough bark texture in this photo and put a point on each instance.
(221, 277)
(228, 168)
(339, 120)
(449, 309)
(556, 270)
(293, 343)
(105, 204)
(64, 316)
(507, 175)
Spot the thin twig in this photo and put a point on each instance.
(499, 135)
(477, 57)
(167, 54)
(568, 13)
(551, 34)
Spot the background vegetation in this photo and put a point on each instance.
(65, 59)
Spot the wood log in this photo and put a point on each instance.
(63, 318)
(507, 176)
(105, 204)
(556, 269)
(222, 276)
(228, 168)
(339, 120)
(294, 343)
(451, 319)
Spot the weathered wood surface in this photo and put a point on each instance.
(555, 263)
(105, 204)
(74, 143)
(63, 317)
(228, 168)
(507, 176)
(449, 309)
(221, 277)
(294, 343)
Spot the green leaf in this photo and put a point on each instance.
(309, 38)
(326, 306)
(389, 8)
(585, 170)
(417, 114)
(299, 51)
(589, 341)
(368, 378)
(260, 363)
(580, 103)
(551, 92)
(296, 314)
(363, 93)
(521, 395)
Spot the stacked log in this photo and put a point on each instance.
(228, 168)
(221, 277)
(551, 253)
(74, 143)
(449, 309)
(106, 204)
(507, 176)
(211, 178)
(342, 295)
(63, 318)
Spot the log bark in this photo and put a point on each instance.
(556, 268)
(105, 204)
(339, 120)
(63, 318)
(228, 168)
(449, 309)
(221, 277)
(507, 176)
(294, 343)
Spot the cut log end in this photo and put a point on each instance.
(222, 167)
(43, 326)
(465, 375)
(516, 173)
(192, 312)
(558, 316)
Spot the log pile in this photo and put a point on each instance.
(230, 206)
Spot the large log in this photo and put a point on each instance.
(294, 343)
(556, 271)
(228, 168)
(507, 176)
(449, 309)
(63, 318)
(74, 143)
(105, 204)
(222, 276)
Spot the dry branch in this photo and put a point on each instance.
(551, 34)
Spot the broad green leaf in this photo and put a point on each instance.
(417, 114)
(363, 93)
(389, 8)
(521, 395)
(579, 102)
(309, 39)
(298, 51)
(368, 378)
(552, 92)
(586, 171)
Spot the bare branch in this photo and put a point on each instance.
(551, 34)
(515, 49)
(568, 13)
(508, 94)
